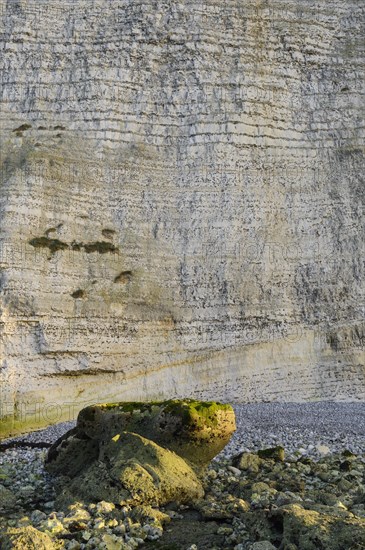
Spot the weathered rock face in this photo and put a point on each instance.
(181, 203)
(133, 470)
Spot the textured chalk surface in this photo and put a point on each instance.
(181, 202)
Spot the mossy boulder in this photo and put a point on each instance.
(134, 471)
(274, 453)
(247, 461)
(26, 538)
(195, 430)
(7, 499)
(311, 530)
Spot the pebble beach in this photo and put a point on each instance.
(308, 432)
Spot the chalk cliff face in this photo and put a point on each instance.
(182, 209)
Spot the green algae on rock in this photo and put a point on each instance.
(195, 430)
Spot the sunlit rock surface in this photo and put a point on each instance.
(195, 430)
(181, 203)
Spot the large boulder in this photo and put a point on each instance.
(195, 430)
(133, 471)
(71, 453)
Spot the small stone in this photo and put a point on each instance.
(111, 542)
(224, 531)
(79, 514)
(344, 485)
(262, 545)
(348, 454)
(120, 529)
(287, 498)
(75, 526)
(49, 505)
(93, 543)
(52, 526)
(7, 499)
(248, 461)
(260, 487)
(26, 491)
(37, 516)
(174, 515)
(99, 524)
(12, 523)
(154, 533)
(346, 466)
(234, 470)
(23, 522)
(275, 453)
(323, 449)
(104, 507)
